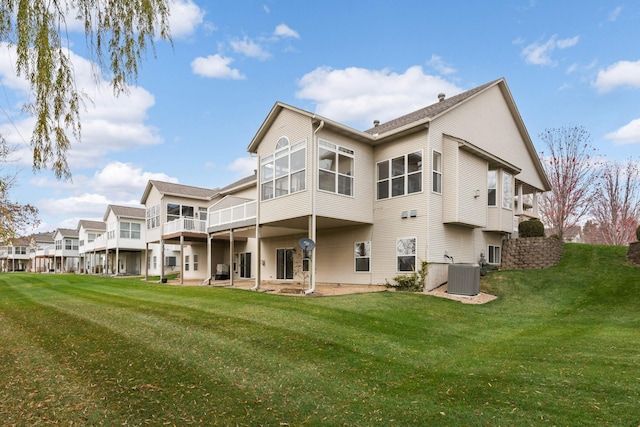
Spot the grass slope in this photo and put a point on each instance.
(559, 347)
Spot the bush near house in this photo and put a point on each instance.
(531, 228)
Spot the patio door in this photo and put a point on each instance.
(284, 264)
(245, 265)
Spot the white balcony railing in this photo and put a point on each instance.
(185, 224)
(232, 214)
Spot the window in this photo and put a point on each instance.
(406, 254)
(195, 263)
(175, 211)
(362, 254)
(155, 262)
(129, 230)
(507, 190)
(153, 217)
(186, 263)
(91, 237)
(492, 188)
(67, 244)
(283, 172)
(202, 214)
(436, 184)
(335, 168)
(494, 254)
(399, 176)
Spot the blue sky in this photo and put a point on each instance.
(197, 104)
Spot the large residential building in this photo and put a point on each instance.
(443, 184)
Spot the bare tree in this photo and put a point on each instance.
(118, 33)
(616, 202)
(568, 162)
(15, 219)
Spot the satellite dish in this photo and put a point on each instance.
(306, 244)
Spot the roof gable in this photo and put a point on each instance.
(125, 211)
(179, 190)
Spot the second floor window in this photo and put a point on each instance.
(153, 217)
(492, 188)
(507, 190)
(129, 230)
(335, 168)
(399, 176)
(175, 211)
(283, 172)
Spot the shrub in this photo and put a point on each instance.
(638, 233)
(413, 282)
(531, 228)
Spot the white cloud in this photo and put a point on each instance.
(283, 30)
(627, 134)
(87, 197)
(109, 123)
(249, 48)
(622, 73)
(359, 95)
(243, 166)
(185, 17)
(215, 66)
(440, 66)
(614, 14)
(540, 53)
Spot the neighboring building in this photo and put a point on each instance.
(176, 218)
(66, 258)
(91, 261)
(443, 184)
(125, 239)
(42, 251)
(15, 256)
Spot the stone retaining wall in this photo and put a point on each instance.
(530, 253)
(633, 253)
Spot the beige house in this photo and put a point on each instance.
(66, 257)
(443, 184)
(91, 260)
(175, 217)
(178, 219)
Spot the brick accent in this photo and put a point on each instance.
(633, 253)
(531, 253)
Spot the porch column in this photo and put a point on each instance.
(258, 258)
(181, 260)
(520, 209)
(117, 261)
(231, 250)
(162, 278)
(209, 271)
(535, 204)
(146, 262)
(62, 269)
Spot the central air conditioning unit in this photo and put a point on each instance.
(464, 279)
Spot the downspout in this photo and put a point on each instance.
(313, 233)
(258, 242)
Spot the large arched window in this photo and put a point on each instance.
(283, 172)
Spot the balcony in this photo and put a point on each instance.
(240, 214)
(182, 225)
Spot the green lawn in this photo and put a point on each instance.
(559, 346)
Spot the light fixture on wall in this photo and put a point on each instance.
(476, 194)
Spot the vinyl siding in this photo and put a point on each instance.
(358, 207)
(465, 176)
(154, 198)
(388, 222)
(296, 128)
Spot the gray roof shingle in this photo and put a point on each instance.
(427, 112)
